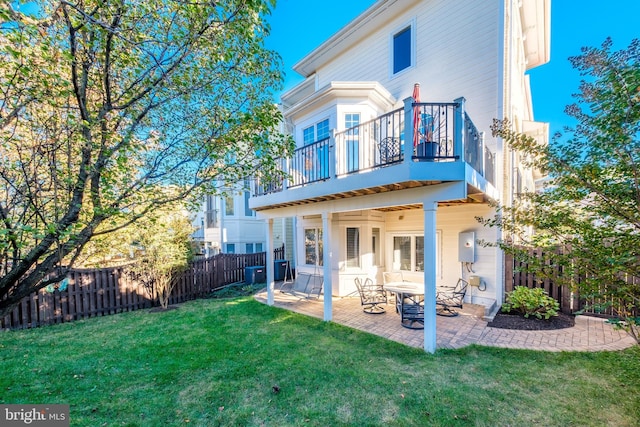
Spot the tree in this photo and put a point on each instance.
(165, 240)
(590, 205)
(109, 110)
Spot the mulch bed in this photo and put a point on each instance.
(518, 321)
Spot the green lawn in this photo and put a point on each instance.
(216, 362)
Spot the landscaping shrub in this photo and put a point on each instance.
(529, 302)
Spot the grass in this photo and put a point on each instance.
(220, 362)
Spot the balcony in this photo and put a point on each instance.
(420, 144)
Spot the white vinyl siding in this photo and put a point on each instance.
(453, 57)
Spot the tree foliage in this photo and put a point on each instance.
(164, 238)
(590, 204)
(109, 110)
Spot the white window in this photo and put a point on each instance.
(353, 247)
(211, 213)
(228, 205)
(375, 246)
(351, 120)
(247, 211)
(352, 136)
(402, 49)
(313, 246)
(408, 253)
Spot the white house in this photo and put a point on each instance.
(380, 182)
(227, 224)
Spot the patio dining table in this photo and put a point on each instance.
(409, 303)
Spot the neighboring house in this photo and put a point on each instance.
(379, 183)
(226, 224)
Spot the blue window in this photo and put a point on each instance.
(352, 120)
(309, 135)
(247, 209)
(316, 132)
(322, 129)
(402, 50)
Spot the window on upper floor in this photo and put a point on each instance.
(351, 121)
(316, 132)
(401, 54)
(247, 210)
(211, 213)
(228, 206)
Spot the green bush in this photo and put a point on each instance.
(529, 302)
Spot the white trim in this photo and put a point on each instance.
(413, 234)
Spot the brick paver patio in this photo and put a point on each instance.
(588, 334)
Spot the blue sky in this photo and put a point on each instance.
(299, 26)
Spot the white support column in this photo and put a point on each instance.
(326, 271)
(269, 267)
(430, 248)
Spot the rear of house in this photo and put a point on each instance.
(390, 176)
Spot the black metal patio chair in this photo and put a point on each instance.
(389, 150)
(371, 296)
(447, 299)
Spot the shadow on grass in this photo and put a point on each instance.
(238, 289)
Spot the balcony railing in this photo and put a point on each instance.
(434, 131)
(443, 132)
(489, 166)
(474, 146)
(310, 164)
(370, 145)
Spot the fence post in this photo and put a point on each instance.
(508, 272)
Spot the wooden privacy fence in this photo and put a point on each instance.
(517, 274)
(101, 292)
